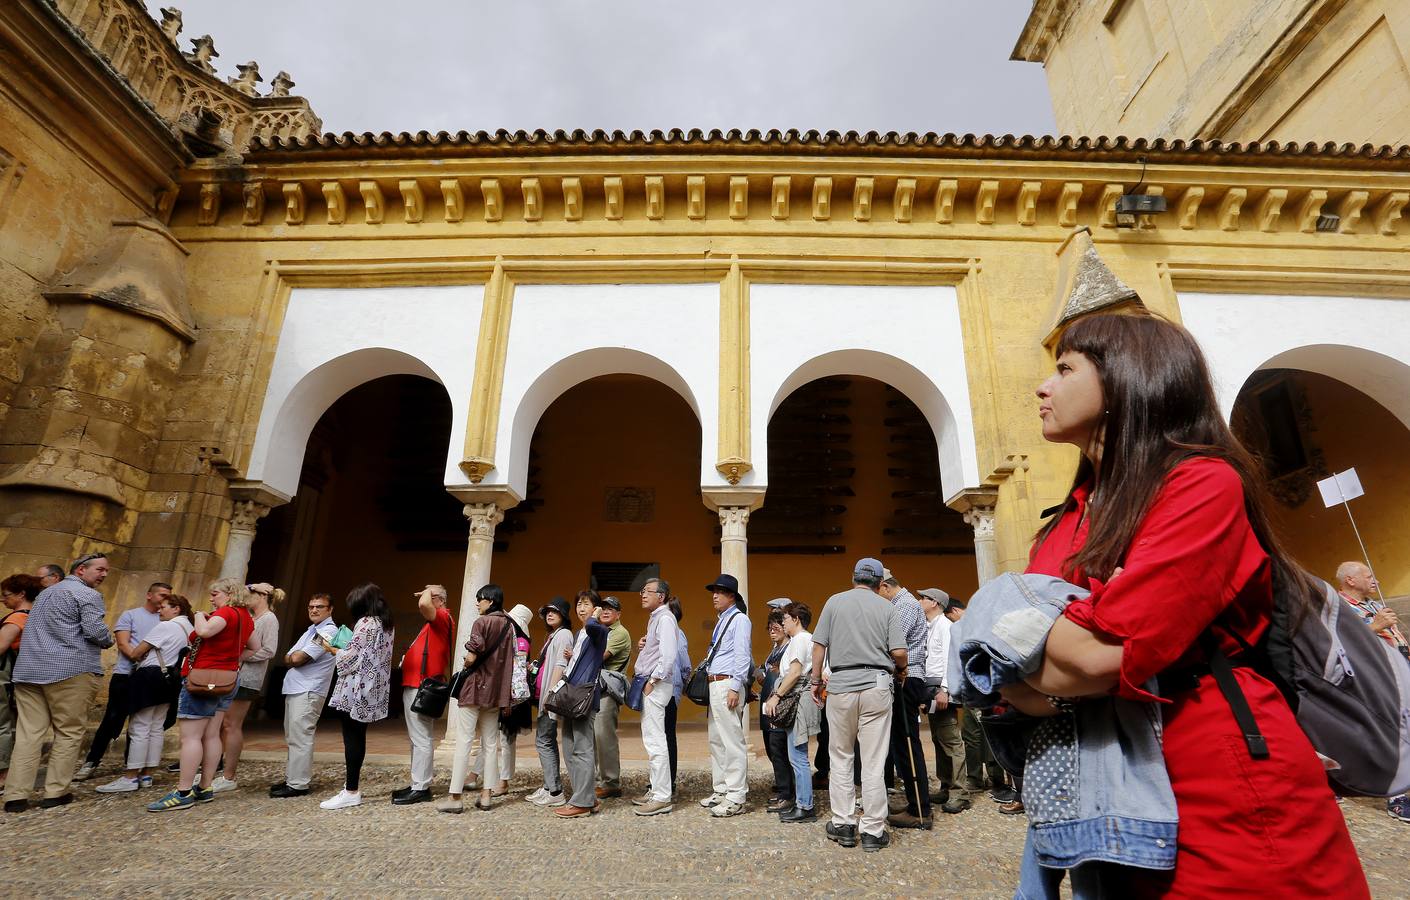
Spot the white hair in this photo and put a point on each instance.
(1349, 570)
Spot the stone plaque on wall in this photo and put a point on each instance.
(630, 504)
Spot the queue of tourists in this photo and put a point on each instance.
(1115, 692)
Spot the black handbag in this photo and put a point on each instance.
(786, 712)
(698, 688)
(432, 694)
(570, 701)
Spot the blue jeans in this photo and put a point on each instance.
(802, 774)
(189, 706)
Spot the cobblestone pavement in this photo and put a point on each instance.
(245, 844)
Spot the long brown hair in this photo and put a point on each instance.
(1160, 411)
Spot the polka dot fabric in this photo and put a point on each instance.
(1050, 773)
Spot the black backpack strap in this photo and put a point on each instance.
(1223, 673)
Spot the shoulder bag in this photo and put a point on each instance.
(215, 682)
(432, 694)
(786, 712)
(457, 683)
(698, 688)
(569, 701)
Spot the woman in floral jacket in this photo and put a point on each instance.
(364, 670)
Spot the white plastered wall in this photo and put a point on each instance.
(1361, 341)
(333, 340)
(908, 337)
(563, 335)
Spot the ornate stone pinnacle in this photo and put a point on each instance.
(280, 85)
(247, 79)
(171, 22)
(202, 50)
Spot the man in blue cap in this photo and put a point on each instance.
(730, 667)
(860, 636)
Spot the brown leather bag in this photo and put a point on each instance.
(211, 682)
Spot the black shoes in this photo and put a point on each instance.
(16, 806)
(956, 805)
(940, 797)
(799, 814)
(51, 802)
(906, 820)
(845, 835)
(872, 843)
(1003, 795)
(402, 792)
(410, 797)
(282, 790)
(778, 804)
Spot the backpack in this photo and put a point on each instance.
(1349, 689)
(519, 683)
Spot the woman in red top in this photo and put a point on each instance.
(225, 633)
(1167, 525)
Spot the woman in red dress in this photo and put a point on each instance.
(1166, 524)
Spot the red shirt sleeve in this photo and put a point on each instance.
(1192, 555)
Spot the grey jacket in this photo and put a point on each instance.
(1095, 784)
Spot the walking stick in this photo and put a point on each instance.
(910, 748)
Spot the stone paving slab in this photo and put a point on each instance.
(246, 844)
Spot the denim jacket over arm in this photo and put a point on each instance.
(1095, 785)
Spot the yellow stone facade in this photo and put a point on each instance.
(148, 254)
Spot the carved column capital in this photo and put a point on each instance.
(484, 517)
(246, 514)
(734, 522)
(981, 519)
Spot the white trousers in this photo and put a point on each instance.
(472, 720)
(144, 737)
(729, 761)
(653, 738)
(862, 718)
(421, 731)
(503, 748)
(301, 713)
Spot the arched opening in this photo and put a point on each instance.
(854, 470)
(612, 496)
(370, 505)
(1305, 425)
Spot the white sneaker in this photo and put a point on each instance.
(120, 785)
(712, 800)
(145, 781)
(548, 800)
(220, 783)
(342, 800)
(537, 795)
(85, 771)
(726, 808)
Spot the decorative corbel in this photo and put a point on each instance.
(482, 421)
(1187, 209)
(1106, 206)
(252, 194)
(655, 197)
(1146, 221)
(862, 191)
(945, 193)
(1311, 211)
(1388, 211)
(336, 202)
(903, 202)
(1028, 202)
(1068, 202)
(1230, 207)
(533, 199)
(1270, 208)
(779, 196)
(614, 196)
(493, 195)
(572, 199)
(822, 198)
(293, 203)
(374, 205)
(1349, 209)
(739, 197)
(986, 202)
(734, 445)
(453, 199)
(695, 196)
(413, 201)
(208, 208)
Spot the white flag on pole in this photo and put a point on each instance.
(1339, 488)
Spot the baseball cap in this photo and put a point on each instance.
(869, 567)
(941, 598)
(612, 603)
(780, 603)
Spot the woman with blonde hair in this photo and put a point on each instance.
(250, 686)
(219, 639)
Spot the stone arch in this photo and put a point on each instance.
(279, 450)
(950, 439)
(572, 370)
(1382, 378)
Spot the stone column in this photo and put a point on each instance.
(734, 545)
(986, 545)
(479, 550)
(243, 522)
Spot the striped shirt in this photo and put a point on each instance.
(64, 636)
(915, 628)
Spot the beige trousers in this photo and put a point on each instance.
(472, 720)
(301, 713)
(862, 718)
(63, 706)
(729, 760)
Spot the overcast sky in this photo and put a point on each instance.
(863, 65)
